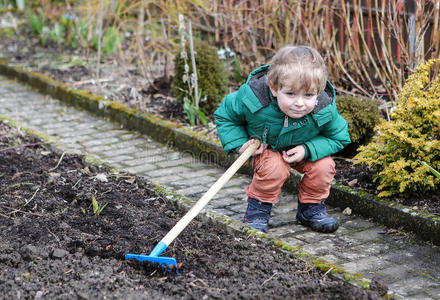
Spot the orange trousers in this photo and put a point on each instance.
(271, 171)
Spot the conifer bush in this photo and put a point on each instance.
(362, 116)
(212, 77)
(411, 138)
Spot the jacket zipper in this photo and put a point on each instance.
(286, 121)
(264, 136)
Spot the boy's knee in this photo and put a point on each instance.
(323, 169)
(272, 165)
(326, 162)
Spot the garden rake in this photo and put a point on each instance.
(170, 262)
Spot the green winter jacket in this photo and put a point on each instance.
(252, 112)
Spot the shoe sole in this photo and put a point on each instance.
(260, 229)
(322, 229)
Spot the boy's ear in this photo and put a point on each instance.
(274, 92)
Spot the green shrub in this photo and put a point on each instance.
(409, 139)
(362, 116)
(211, 73)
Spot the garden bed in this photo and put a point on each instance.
(53, 245)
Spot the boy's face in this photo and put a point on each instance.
(295, 104)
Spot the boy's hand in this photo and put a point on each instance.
(248, 143)
(294, 155)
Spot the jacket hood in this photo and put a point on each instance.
(257, 83)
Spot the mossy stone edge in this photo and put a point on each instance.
(391, 214)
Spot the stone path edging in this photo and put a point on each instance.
(386, 212)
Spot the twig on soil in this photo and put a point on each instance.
(61, 158)
(24, 205)
(92, 81)
(91, 235)
(20, 146)
(206, 287)
(186, 249)
(329, 270)
(76, 183)
(8, 217)
(198, 279)
(58, 240)
(311, 267)
(20, 211)
(92, 241)
(33, 196)
(268, 279)
(106, 192)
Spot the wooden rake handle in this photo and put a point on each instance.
(201, 203)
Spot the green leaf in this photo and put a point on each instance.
(102, 208)
(434, 171)
(36, 24)
(201, 116)
(95, 205)
(192, 119)
(188, 107)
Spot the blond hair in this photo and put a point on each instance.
(299, 68)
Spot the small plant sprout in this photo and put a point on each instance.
(192, 112)
(97, 207)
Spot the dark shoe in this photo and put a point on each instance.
(257, 214)
(316, 217)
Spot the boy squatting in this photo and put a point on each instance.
(289, 105)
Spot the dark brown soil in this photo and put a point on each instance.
(52, 245)
(124, 84)
(361, 177)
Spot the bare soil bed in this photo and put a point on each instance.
(123, 83)
(52, 246)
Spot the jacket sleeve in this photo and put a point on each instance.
(333, 137)
(230, 121)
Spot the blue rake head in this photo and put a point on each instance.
(154, 257)
(169, 262)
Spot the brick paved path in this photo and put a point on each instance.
(410, 267)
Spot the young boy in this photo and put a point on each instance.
(291, 107)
